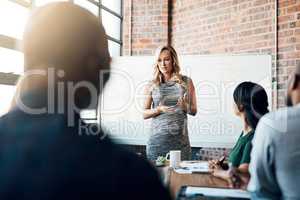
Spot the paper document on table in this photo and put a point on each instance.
(183, 171)
(195, 166)
(217, 192)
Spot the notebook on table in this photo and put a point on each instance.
(201, 193)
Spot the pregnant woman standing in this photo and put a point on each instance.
(170, 96)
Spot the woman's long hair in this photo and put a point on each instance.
(176, 76)
(253, 100)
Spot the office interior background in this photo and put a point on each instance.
(198, 27)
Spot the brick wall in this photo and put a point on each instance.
(228, 26)
(145, 26)
(288, 42)
(219, 26)
(223, 26)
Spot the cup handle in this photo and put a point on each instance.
(167, 156)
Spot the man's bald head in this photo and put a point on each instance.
(293, 90)
(69, 39)
(297, 69)
(65, 36)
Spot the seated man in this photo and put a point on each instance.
(274, 168)
(46, 151)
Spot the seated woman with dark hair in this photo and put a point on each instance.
(250, 104)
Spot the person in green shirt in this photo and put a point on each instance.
(250, 104)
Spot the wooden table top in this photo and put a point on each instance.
(176, 180)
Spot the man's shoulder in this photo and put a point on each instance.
(131, 160)
(280, 120)
(50, 129)
(136, 172)
(285, 113)
(12, 118)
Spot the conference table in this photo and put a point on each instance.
(174, 181)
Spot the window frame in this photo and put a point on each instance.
(120, 16)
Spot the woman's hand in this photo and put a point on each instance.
(149, 112)
(218, 164)
(164, 109)
(224, 174)
(234, 177)
(182, 103)
(214, 164)
(238, 179)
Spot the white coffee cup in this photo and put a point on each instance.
(175, 158)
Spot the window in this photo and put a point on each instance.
(88, 5)
(11, 61)
(6, 95)
(13, 17)
(110, 12)
(12, 24)
(112, 24)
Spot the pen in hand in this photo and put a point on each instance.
(222, 164)
(221, 160)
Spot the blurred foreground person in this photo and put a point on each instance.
(46, 150)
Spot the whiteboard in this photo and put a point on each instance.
(214, 78)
